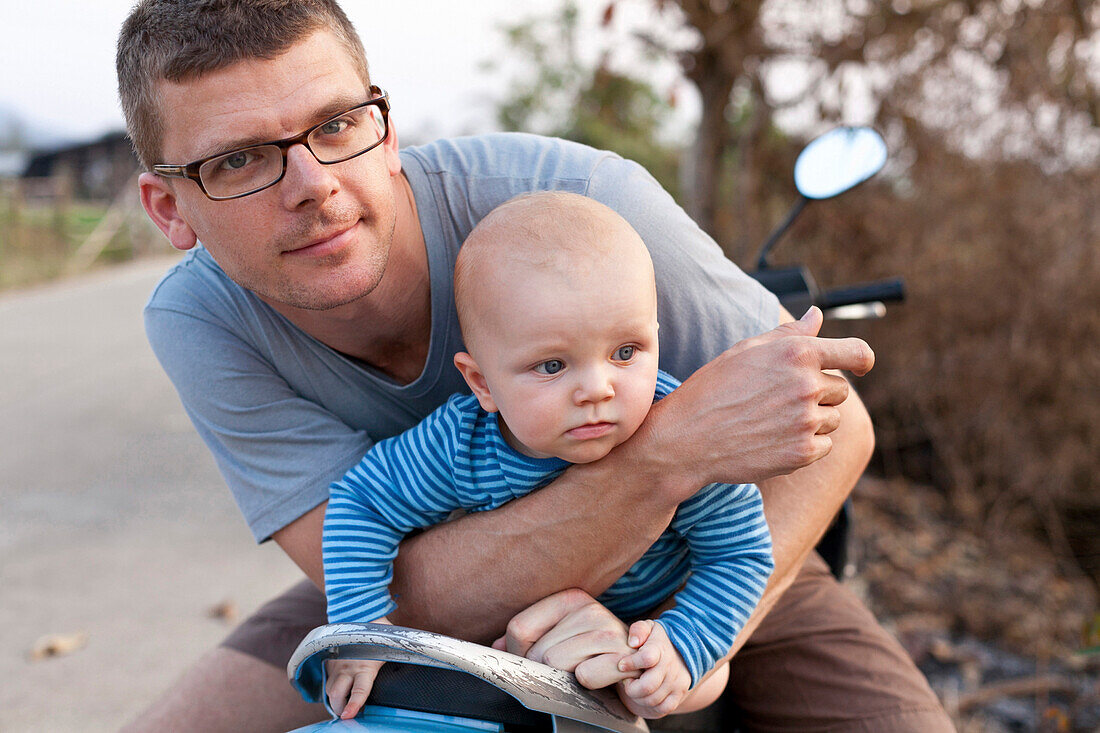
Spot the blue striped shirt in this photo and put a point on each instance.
(716, 551)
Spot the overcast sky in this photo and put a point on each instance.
(57, 61)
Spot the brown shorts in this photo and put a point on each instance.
(818, 662)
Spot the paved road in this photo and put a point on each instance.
(113, 519)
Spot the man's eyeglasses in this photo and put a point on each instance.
(256, 167)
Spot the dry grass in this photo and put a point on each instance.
(38, 238)
(990, 372)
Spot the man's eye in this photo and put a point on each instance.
(552, 366)
(236, 161)
(625, 353)
(335, 127)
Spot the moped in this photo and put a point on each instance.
(829, 165)
(433, 682)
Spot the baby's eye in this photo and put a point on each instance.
(551, 366)
(624, 353)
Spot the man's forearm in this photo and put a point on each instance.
(469, 577)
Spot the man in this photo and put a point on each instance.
(317, 318)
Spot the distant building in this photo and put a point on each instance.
(95, 170)
(12, 163)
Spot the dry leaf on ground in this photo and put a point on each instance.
(58, 645)
(226, 611)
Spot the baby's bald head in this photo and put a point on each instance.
(549, 238)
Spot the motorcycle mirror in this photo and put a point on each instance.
(840, 159)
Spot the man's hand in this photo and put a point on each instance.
(664, 681)
(571, 631)
(763, 408)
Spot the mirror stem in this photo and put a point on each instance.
(762, 258)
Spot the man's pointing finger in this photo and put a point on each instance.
(850, 354)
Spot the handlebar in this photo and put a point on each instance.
(504, 688)
(797, 291)
(881, 291)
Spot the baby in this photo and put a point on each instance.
(558, 308)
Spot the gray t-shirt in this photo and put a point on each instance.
(285, 415)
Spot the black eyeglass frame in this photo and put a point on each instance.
(191, 170)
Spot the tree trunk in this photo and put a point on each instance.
(727, 34)
(711, 139)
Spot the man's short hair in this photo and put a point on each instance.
(180, 40)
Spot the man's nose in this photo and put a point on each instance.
(596, 385)
(306, 182)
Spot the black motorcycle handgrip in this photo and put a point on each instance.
(881, 291)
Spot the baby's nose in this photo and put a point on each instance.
(595, 386)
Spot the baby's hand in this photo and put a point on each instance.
(349, 683)
(665, 680)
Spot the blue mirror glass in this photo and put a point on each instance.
(838, 160)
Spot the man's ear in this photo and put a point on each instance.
(389, 148)
(473, 376)
(159, 200)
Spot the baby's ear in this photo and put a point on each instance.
(473, 376)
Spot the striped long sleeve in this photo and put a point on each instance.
(730, 555)
(403, 483)
(456, 458)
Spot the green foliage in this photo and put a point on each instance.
(540, 100)
(616, 112)
(558, 94)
